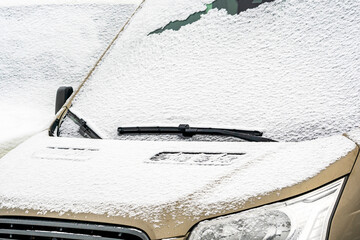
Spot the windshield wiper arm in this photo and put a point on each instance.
(84, 129)
(187, 131)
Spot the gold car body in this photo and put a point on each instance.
(344, 225)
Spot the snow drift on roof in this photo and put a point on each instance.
(289, 67)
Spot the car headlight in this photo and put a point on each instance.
(301, 218)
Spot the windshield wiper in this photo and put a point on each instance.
(187, 131)
(84, 129)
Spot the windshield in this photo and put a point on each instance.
(288, 68)
(43, 45)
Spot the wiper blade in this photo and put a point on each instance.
(187, 131)
(84, 130)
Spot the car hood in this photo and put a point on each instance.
(163, 188)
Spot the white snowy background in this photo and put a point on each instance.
(43, 45)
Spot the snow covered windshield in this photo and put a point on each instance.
(290, 68)
(45, 44)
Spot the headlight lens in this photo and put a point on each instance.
(301, 218)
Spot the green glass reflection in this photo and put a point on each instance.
(231, 6)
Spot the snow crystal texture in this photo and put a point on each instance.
(132, 183)
(43, 47)
(355, 135)
(291, 68)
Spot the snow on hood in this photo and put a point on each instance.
(140, 179)
(289, 67)
(354, 135)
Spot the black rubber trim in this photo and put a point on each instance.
(84, 130)
(340, 194)
(53, 126)
(53, 234)
(335, 207)
(67, 224)
(187, 131)
(62, 95)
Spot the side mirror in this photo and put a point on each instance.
(62, 94)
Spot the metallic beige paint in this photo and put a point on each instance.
(345, 224)
(170, 228)
(346, 221)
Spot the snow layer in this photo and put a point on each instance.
(354, 135)
(289, 67)
(98, 176)
(11, 3)
(43, 47)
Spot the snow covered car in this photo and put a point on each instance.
(152, 144)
